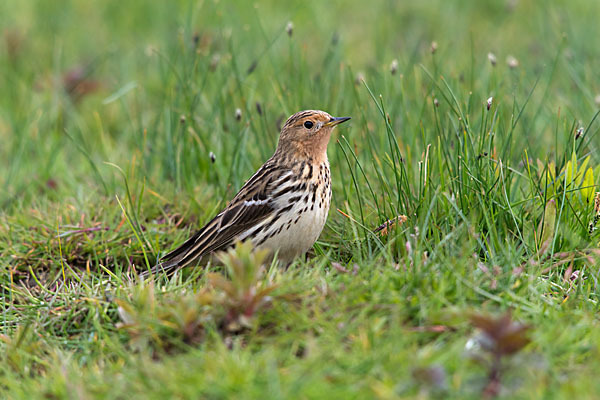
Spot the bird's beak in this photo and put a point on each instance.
(336, 120)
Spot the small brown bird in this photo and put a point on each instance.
(282, 207)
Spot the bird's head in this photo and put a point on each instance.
(307, 133)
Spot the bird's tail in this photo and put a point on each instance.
(167, 266)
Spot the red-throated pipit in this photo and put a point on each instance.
(283, 206)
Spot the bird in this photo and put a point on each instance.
(282, 207)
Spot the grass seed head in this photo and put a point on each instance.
(434, 46)
(394, 66)
(512, 62)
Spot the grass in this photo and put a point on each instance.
(121, 135)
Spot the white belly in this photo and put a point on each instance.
(300, 229)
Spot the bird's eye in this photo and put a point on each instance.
(308, 124)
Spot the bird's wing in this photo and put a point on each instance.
(249, 208)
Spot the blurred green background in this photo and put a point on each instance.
(151, 62)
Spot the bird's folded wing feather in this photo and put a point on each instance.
(250, 207)
(221, 232)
